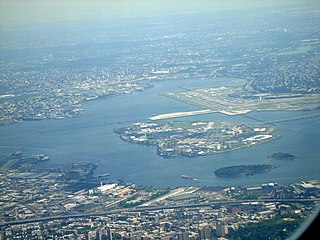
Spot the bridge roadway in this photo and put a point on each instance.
(311, 116)
(153, 208)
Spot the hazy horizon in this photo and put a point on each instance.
(15, 13)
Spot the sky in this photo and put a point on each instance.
(21, 12)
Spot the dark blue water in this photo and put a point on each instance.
(91, 138)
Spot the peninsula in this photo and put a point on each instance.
(238, 100)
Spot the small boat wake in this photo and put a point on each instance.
(189, 177)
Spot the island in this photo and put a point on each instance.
(242, 170)
(281, 156)
(196, 138)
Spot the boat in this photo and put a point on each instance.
(187, 177)
(102, 176)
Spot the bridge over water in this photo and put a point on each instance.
(260, 122)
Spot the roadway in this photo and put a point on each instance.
(311, 116)
(153, 208)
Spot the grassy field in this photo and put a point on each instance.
(303, 48)
(265, 106)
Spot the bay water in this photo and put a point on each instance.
(90, 138)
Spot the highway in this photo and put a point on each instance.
(153, 208)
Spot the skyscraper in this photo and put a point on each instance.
(205, 232)
(222, 229)
(183, 236)
(109, 234)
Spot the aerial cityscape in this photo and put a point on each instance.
(196, 138)
(192, 122)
